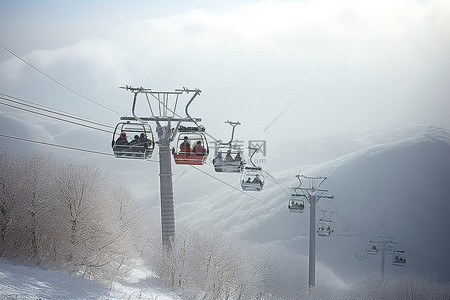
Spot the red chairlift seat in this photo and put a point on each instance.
(192, 146)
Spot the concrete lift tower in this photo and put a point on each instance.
(313, 194)
(163, 113)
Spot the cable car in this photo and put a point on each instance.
(252, 178)
(133, 140)
(226, 157)
(324, 228)
(297, 202)
(372, 248)
(228, 160)
(399, 258)
(192, 146)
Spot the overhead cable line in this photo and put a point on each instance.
(359, 233)
(51, 110)
(287, 107)
(56, 81)
(53, 117)
(55, 145)
(247, 194)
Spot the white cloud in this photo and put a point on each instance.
(367, 61)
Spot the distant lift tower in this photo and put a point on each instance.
(383, 241)
(163, 113)
(313, 193)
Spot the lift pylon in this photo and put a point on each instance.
(313, 193)
(163, 113)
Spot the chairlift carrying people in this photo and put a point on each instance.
(140, 147)
(324, 226)
(297, 199)
(185, 154)
(252, 179)
(399, 259)
(232, 162)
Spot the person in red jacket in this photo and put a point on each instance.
(185, 147)
(198, 148)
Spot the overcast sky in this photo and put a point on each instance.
(287, 70)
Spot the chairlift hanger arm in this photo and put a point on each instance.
(133, 109)
(196, 93)
(234, 124)
(251, 156)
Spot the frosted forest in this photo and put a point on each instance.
(74, 218)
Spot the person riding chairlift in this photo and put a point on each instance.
(185, 147)
(198, 149)
(122, 140)
(228, 157)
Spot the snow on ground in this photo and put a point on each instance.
(25, 282)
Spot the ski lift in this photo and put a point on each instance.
(372, 248)
(297, 200)
(399, 258)
(133, 140)
(228, 158)
(323, 227)
(252, 179)
(192, 146)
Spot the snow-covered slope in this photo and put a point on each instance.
(401, 184)
(25, 282)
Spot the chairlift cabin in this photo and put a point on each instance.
(228, 160)
(324, 229)
(133, 140)
(399, 258)
(372, 248)
(252, 179)
(192, 146)
(296, 202)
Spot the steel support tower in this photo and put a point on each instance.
(313, 195)
(164, 114)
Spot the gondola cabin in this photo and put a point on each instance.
(296, 203)
(133, 141)
(228, 160)
(252, 179)
(192, 146)
(372, 249)
(324, 229)
(399, 258)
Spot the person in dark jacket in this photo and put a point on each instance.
(122, 140)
